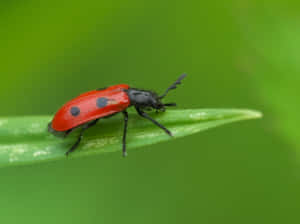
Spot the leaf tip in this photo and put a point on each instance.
(253, 114)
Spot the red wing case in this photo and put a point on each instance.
(90, 106)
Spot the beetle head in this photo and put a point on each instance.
(150, 100)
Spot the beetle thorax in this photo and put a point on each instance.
(143, 98)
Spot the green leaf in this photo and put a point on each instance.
(25, 140)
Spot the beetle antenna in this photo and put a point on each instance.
(170, 104)
(174, 85)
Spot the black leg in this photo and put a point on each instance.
(86, 126)
(125, 132)
(67, 133)
(145, 115)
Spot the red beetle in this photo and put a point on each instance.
(85, 110)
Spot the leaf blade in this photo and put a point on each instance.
(25, 140)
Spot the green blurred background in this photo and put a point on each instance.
(238, 54)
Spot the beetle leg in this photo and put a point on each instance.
(145, 115)
(86, 126)
(67, 133)
(125, 132)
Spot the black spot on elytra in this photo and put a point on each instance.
(75, 111)
(102, 102)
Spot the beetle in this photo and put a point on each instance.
(85, 110)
